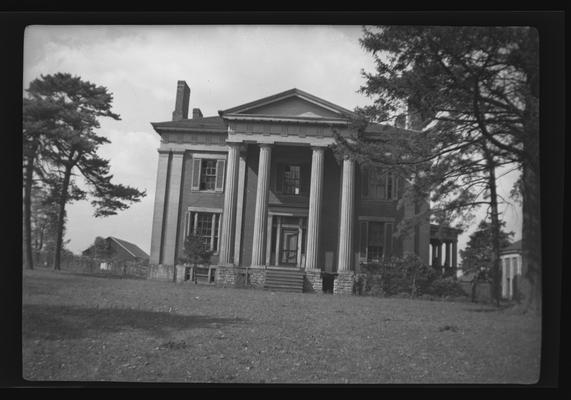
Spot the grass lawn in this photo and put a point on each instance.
(90, 328)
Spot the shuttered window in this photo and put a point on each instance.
(220, 175)
(196, 174)
(208, 174)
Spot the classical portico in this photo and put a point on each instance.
(286, 226)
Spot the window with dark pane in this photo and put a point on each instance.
(289, 179)
(375, 241)
(204, 227)
(390, 186)
(208, 175)
(215, 233)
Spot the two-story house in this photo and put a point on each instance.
(259, 183)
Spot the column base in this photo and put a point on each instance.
(313, 281)
(232, 276)
(161, 272)
(344, 283)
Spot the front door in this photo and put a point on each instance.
(288, 248)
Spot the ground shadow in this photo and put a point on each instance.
(489, 308)
(74, 322)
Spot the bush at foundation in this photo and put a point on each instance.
(396, 276)
(444, 287)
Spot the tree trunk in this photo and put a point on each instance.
(531, 241)
(61, 216)
(495, 226)
(531, 211)
(27, 199)
(495, 236)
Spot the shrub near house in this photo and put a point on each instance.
(406, 276)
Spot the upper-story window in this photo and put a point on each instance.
(378, 185)
(207, 174)
(292, 179)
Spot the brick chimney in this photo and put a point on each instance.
(182, 98)
(196, 113)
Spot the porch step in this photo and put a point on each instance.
(284, 281)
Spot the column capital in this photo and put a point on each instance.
(178, 153)
(265, 145)
(318, 148)
(237, 145)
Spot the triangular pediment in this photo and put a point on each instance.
(293, 107)
(293, 103)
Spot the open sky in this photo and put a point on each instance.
(224, 66)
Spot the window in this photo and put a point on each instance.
(375, 241)
(291, 179)
(516, 267)
(206, 225)
(376, 185)
(208, 174)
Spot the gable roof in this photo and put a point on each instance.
(515, 247)
(130, 248)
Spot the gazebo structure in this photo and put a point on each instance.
(444, 249)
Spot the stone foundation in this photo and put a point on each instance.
(225, 276)
(162, 272)
(313, 282)
(228, 276)
(343, 283)
(179, 276)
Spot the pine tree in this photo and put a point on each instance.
(472, 95)
(65, 117)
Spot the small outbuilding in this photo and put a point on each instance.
(511, 262)
(112, 249)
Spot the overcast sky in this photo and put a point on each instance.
(224, 66)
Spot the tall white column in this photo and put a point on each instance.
(314, 217)
(239, 207)
(278, 239)
(229, 204)
(159, 210)
(269, 240)
(299, 241)
(173, 205)
(261, 205)
(346, 223)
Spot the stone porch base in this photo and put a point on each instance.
(343, 283)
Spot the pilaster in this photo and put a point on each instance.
(172, 211)
(159, 208)
(228, 213)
